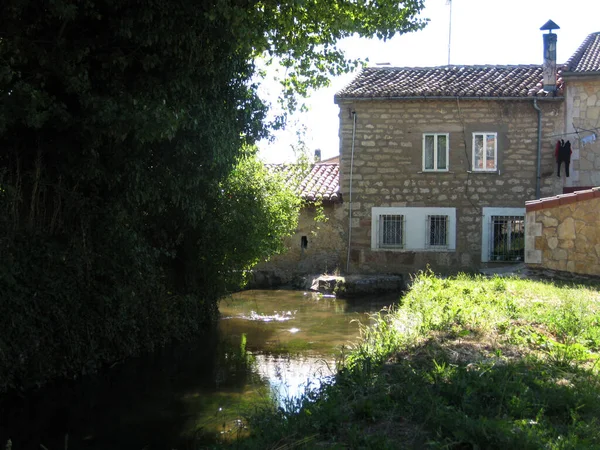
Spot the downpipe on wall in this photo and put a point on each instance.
(538, 178)
(350, 191)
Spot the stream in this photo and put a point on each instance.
(266, 349)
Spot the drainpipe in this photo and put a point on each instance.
(539, 149)
(350, 191)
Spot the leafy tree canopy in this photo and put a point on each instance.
(123, 125)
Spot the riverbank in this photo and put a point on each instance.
(260, 352)
(342, 286)
(462, 363)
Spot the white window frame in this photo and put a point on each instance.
(487, 214)
(436, 150)
(414, 233)
(485, 134)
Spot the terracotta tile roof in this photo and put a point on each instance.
(563, 199)
(518, 81)
(321, 183)
(587, 57)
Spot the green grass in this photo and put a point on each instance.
(462, 363)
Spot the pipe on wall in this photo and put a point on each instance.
(538, 178)
(350, 191)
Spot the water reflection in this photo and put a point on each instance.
(289, 377)
(268, 346)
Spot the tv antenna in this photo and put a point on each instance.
(449, 3)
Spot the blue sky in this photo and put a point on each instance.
(483, 32)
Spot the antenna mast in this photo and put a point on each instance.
(449, 2)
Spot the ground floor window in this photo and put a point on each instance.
(437, 231)
(507, 238)
(391, 231)
(503, 236)
(419, 228)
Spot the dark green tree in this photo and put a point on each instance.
(123, 126)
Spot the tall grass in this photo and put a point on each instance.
(461, 363)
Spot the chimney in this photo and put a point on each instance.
(318, 155)
(549, 67)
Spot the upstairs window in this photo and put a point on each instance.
(435, 152)
(485, 152)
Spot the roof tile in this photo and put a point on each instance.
(518, 81)
(562, 199)
(321, 183)
(587, 56)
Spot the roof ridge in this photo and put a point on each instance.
(452, 66)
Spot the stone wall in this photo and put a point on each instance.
(324, 251)
(583, 112)
(563, 233)
(388, 170)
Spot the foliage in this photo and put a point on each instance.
(263, 203)
(464, 362)
(128, 204)
(301, 35)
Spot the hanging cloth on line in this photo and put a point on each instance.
(562, 154)
(588, 139)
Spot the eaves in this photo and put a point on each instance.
(575, 75)
(338, 100)
(324, 201)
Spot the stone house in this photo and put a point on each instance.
(436, 164)
(317, 244)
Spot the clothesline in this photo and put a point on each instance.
(579, 130)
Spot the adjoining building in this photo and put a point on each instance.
(318, 244)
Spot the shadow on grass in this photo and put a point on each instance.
(433, 399)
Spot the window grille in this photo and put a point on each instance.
(391, 231)
(507, 238)
(437, 231)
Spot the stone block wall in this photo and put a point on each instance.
(324, 251)
(583, 113)
(388, 170)
(563, 233)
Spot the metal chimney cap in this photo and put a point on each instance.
(550, 25)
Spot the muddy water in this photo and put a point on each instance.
(268, 347)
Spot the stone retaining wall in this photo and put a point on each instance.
(563, 233)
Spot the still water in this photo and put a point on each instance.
(267, 348)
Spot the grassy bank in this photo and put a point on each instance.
(461, 363)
